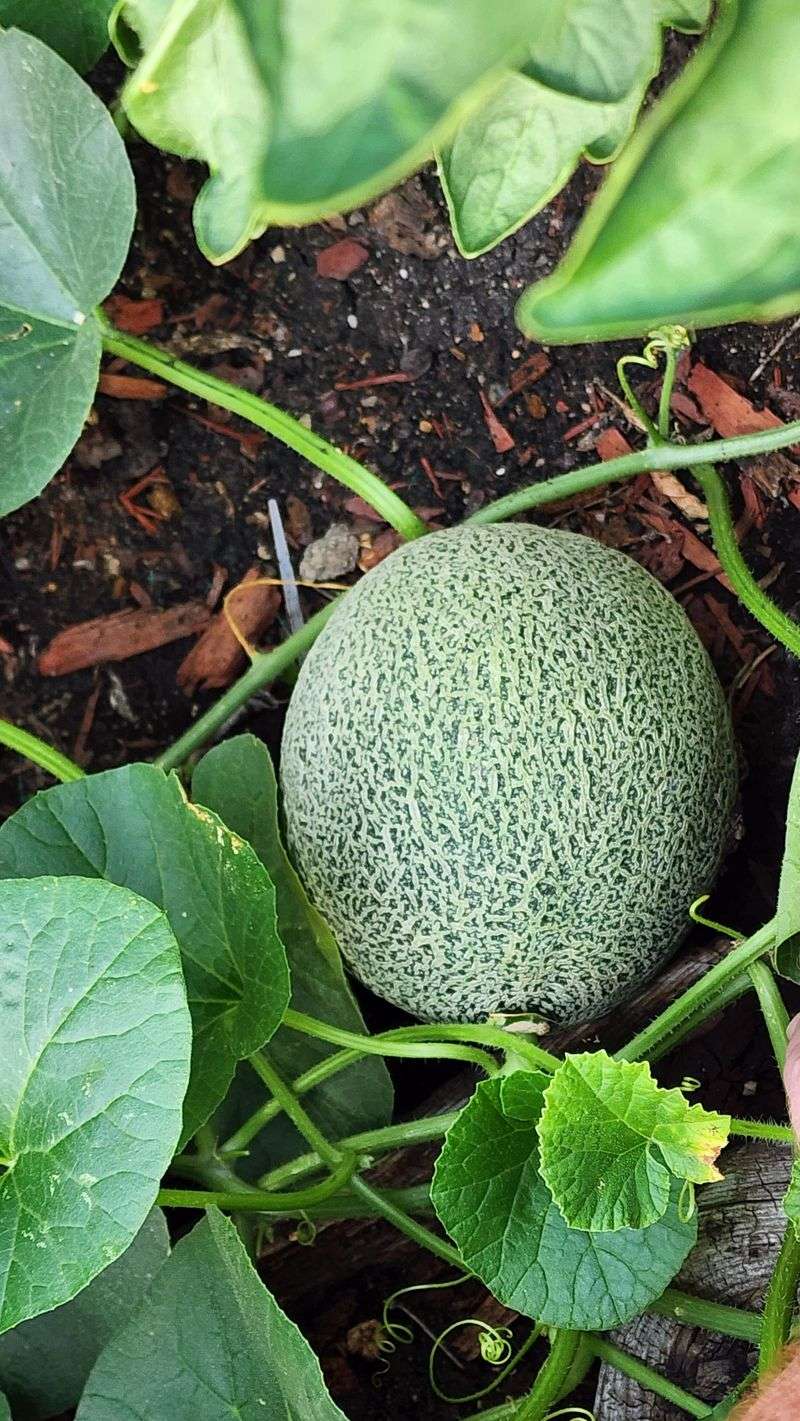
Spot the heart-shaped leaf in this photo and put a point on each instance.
(672, 237)
(237, 780)
(491, 1198)
(44, 1363)
(77, 31)
(95, 1060)
(611, 1142)
(67, 205)
(224, 1348)
(133, 826)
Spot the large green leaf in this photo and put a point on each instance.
(78, 31)
(302, 109)
(612, 1141)
(491, 1198)
(95, 1060)
(210, 1344)
(699, 221)
(66, 216)
(237, 780)
(579, 93)
(5, 1414)
(133, 826)
(44, 1363)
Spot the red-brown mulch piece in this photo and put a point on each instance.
(120, 636)
(341, 259)
(359, 508)
(727, 411)
(382, 546)
(217, 658)
(394, 377)
(531, 370)
(249, 440)
(498, 433)
(135, 317)
(130, 387)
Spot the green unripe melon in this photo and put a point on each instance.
(508, 769)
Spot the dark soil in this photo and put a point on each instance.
(269, 321)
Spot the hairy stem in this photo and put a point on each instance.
(722, 997)
(383, 1205)
(780, 1302)
(723, 533)
(776, 1017)
(265, 668)
(42, 754)
(272, 1108)
(698, 995)
(262, 1201)
(268, 417)
(642, 461)
(299, 1117)
(713, 1317)
(552, 1377)
(425, 1037)
(646, 1377)
(369, 1142)
(763, 1130)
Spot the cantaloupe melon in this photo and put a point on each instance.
(508, 769)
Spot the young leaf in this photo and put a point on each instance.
(44, 1363)
(787, 915)
(237, 780)
(491, 1198)
(672, 236)
(511, 155)
(96, 1041)
(134, 827)
(579, 92)
(223, 1348)
(78, 31)
(611, 1140)
(65, 236)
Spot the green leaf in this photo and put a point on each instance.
(96, 1043)
(511, 155)
(77, 31)
(787, 915)
(698, 223)
(44, 1363)
(611, 1140)
(5, 1414)
(197, 92)
(67, 205)
(579, 93)
(791, 1199)
(489, 1195)
(237, 780)
(134, 827)
(223, 1348)
(228, 81)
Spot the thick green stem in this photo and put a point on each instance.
(275, 421)
(299, 1117)
(763, 1130)
(722, 997)
(424, 1037)
(697, 996)
(264, 669)
(271, 1109)
(262, 1201)
(368, 1142)
(667, 385)
(550, 1382)
(388, 1209)
(723, 533)
(776, 1017)
(713, 1317)
(39, 752)
(779, 1303)
(646, 1377)
(642, 461)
